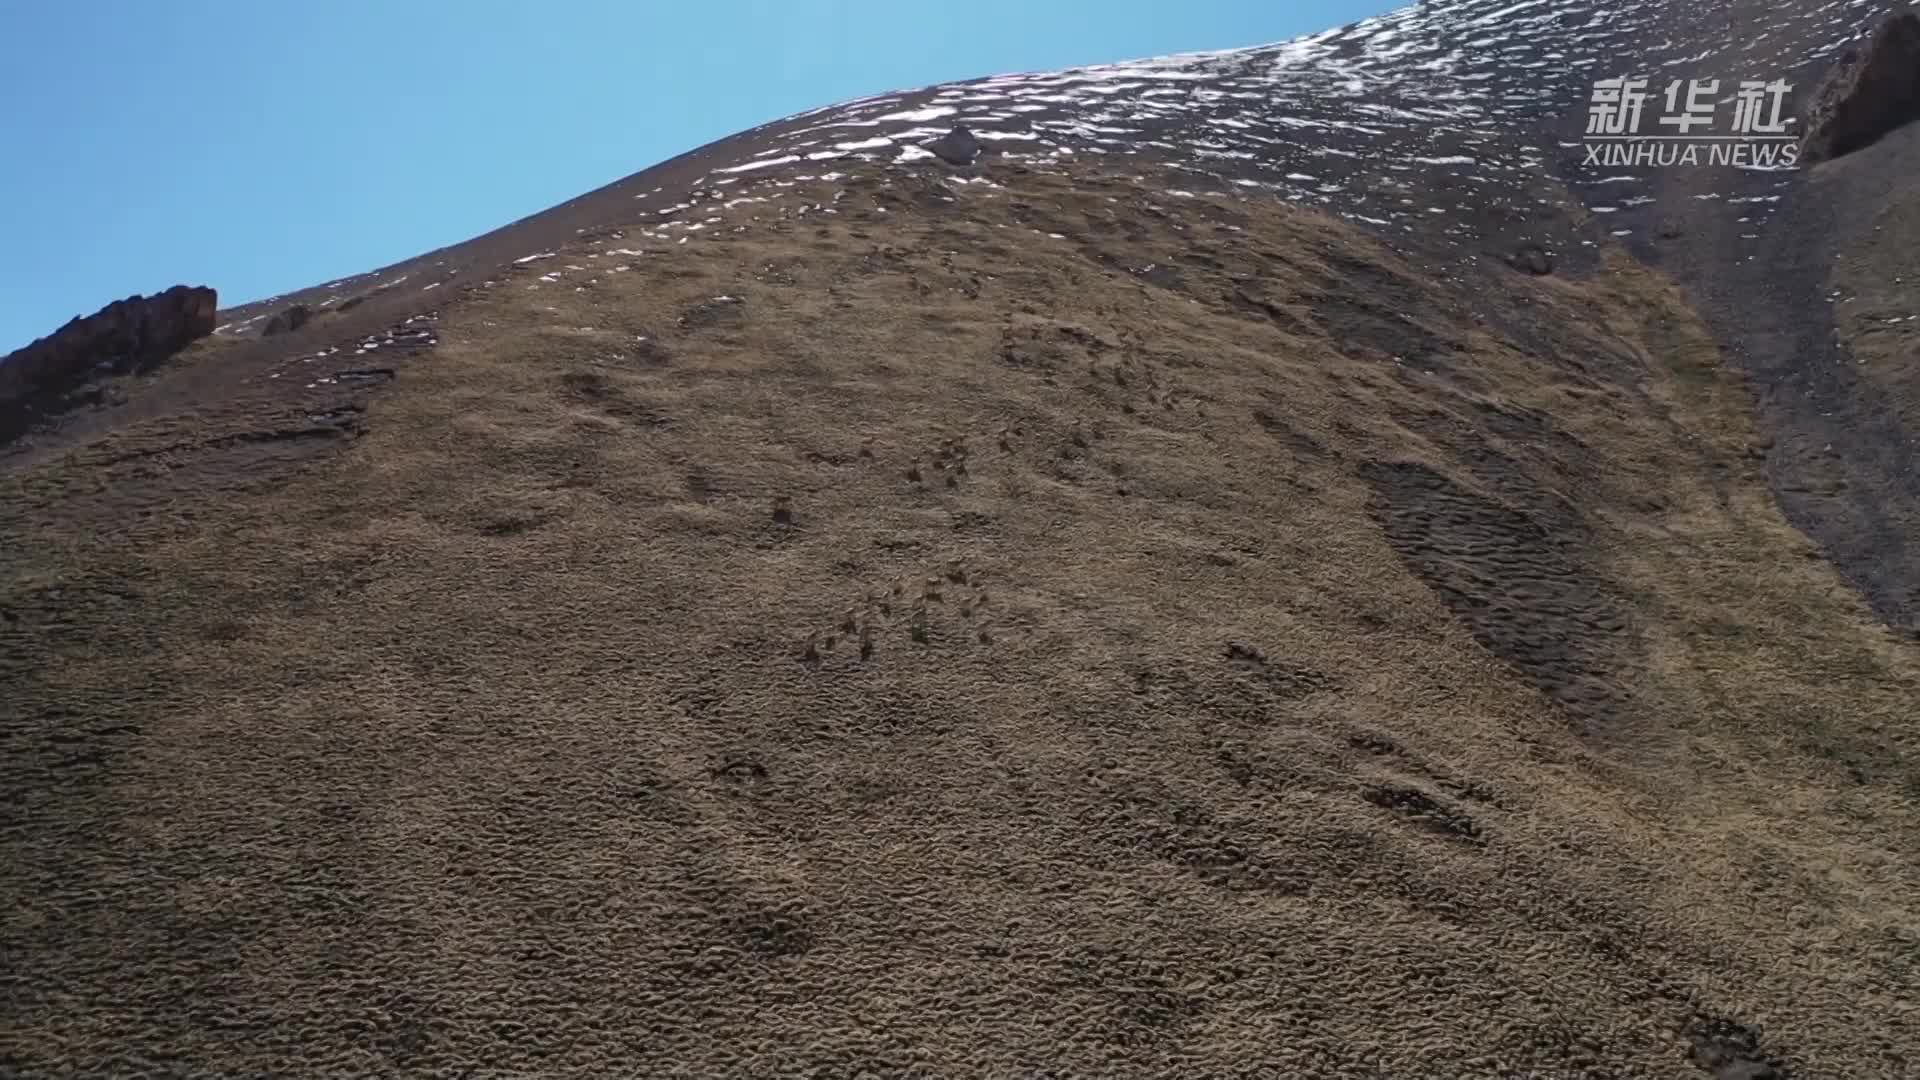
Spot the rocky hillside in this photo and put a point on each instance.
(1252, 564)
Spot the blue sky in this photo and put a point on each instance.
(260, 146)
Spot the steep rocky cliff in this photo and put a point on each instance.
(1871, 91)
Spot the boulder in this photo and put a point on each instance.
(130, 335)
(956, 147)
(287, 320)
(1870, 91)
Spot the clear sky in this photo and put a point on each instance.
(261, 146)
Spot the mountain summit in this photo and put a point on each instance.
(1345, 558)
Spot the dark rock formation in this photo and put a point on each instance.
(956, 147)
(126, 336)
(1868, 93)
(287, 320)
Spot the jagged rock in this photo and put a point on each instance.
(1868, 94)
(128, 335)
(956, 147)
(287, 320)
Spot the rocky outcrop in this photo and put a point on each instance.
(956, 147)
(1871, 91)
(131, 335)
(287, 320)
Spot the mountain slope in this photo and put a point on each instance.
(1067, 615)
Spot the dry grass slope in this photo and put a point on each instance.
(1197, 644)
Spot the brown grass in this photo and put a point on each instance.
(962, 656)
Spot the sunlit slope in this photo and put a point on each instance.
(938, 628)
